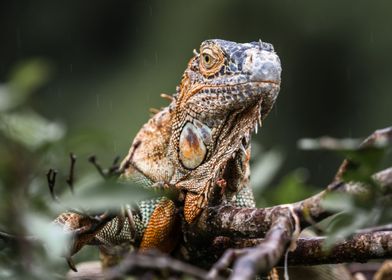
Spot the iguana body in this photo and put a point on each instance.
(201, 141)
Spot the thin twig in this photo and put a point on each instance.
(115, 167)
(71, 264)
(93, 160)
(51, 179)
(380, 137)
(138, 263)
(112, 171)
(9, 238)
(71, 176)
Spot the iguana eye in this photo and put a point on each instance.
(208, 60)
(211, 60)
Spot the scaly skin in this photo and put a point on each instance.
(200, 141)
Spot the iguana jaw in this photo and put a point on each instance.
(230, 149)
(238, 136)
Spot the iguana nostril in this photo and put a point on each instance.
(251, 58)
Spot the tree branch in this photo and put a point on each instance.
(226, 220)
(265, 255)
(361, 247)
(162, 265)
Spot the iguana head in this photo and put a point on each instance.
(226, 76)
(226, 90)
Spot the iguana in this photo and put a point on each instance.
(199, 142)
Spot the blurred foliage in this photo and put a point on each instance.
(31, 144)
(95, 195)
(354, 212)
(30, 129)
(25, 140)
(113, 58)
(292, 187)
(265, 165)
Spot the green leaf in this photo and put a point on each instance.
(92, 193)
(7, 100)
(291, 188)
(25, 79)
(29, 76)
(345, 224)
(353, 214)
(365, 162)
(337, 202)
(30, 129)
(264, 169)
(55, 240)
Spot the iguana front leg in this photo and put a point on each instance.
(155, 226)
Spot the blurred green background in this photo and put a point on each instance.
(111, 59)
(80, 76)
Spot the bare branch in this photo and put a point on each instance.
(93, 160)
(265, 255)
(71, 175)
(163, 265)
(360, 248)
(112, 171)
(114, 168)
(377, 138)
(226, 220)
(311, 251)
(51, 179)
(10, 238)
(385, 178)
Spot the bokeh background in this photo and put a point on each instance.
(100, 66)
(110, 60)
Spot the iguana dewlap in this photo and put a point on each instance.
(200, 141)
